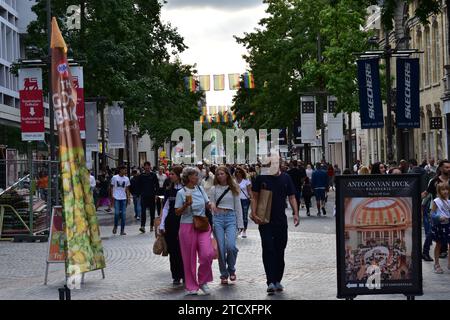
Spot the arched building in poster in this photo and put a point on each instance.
(378, 222)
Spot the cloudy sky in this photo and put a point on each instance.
(208, 27)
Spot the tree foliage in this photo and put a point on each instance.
(126, 50)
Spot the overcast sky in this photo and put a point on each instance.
(208, 27)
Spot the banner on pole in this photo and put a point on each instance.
(78, 83)
(91, 127)
(234, 81)
(116, 127)
(408, 95)
(57, 239)
(308, 119)
(219, 82)
(335, 123)
(378, 232)
(84, 244)
(370, 106)
(31, 104)
(205, 83)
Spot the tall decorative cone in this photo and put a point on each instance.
(84, 245)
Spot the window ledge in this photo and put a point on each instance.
(437, 84)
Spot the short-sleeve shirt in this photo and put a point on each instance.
(281, 187)
(199, 199)
(244, 192)
(119, 185)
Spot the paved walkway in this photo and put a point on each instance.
(134, 272)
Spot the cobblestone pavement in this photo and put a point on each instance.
(133, 272)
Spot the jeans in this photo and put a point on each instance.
(120, 210)
(245, 203)
(137, 205)
(147, 202)
(225, 231)
(274, 241)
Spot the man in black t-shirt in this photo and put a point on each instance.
(298, 176)
(444, 169)
(274, 235)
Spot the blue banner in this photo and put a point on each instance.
(370, 106)
(408, 97)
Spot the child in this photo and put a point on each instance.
(440, 212)
(307, 194)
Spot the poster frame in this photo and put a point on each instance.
(345, 292)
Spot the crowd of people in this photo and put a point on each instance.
(226, 195)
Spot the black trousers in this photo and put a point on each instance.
(274, 241)
(159, 201)
(307, 202)
(147, 202)
(173, 247)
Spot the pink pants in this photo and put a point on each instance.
(192, 243)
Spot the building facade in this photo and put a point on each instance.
(425, 142)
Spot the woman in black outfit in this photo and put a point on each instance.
(170, 225)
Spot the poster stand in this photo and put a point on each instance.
(57, 252)
(378, 236)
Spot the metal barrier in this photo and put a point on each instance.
(28, 191)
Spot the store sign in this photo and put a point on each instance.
(335, 123)
(31, 104)
(408, 96)
(308, 119)
(436, 123)
(378, 231)
(370, 94)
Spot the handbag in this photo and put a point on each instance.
(264, 205)
(201, 223)
(160, 246)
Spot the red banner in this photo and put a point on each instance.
(78, 84)
(31, 104)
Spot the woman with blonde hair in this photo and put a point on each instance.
(227, 221)
(364, 170)
(192, 201)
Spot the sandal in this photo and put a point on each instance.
(438, 269)
(224, 281)
(233, 277)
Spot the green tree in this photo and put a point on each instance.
(127, 50)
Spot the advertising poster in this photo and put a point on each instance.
(378, 235)
(57, 249)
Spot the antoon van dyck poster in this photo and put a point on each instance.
(378, 235)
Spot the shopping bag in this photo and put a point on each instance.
(157, 224)
(160, 246)
(264, 206)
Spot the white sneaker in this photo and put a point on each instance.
(205, 289)
(191, 293)
(243, 235)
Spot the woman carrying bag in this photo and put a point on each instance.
(195, 233)
(245, 195)
(228, 220)
(170, 225)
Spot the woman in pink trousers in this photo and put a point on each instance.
(192, 201)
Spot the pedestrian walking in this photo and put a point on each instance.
(162, 177)
(227, 221)
(297, 175)
(134, 190)
(192, 201)
(170, 225)
(309, 171)
(442, 177)
(274, 235)
(330, 173)
(148, 186)
(319, 184)
(440, 212)
(307, 193)
(245, 196)
(120, 195)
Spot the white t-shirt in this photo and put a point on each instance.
(92, 181)
(309, 173)
(119, 187)
(244, 192)
(161, 179)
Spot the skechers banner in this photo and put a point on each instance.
(370, 94)
(408, 98)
